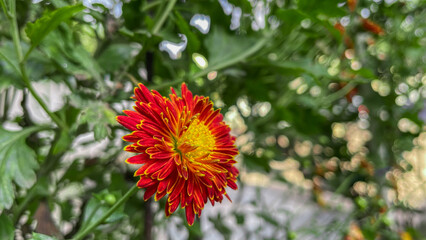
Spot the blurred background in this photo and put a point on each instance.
(327, 100)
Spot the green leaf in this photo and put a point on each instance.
(268, 218)
(6, 192)
(326, 7)
(223, 46)
(290, 18)
(9, 67)
(244, 4)
(62, 142)
(39, 236)
(7, 231)
(8, 54)
(48, 22)
(98, 115)
(115, 56)
(17, 164)
(260, 164)
(100, 131)
(193, 42)
(88, 62)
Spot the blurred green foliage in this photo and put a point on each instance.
(335, 88)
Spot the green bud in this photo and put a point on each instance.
(110, 199)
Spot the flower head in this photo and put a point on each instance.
(184, 146)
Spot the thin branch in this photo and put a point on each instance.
(4, 7)
(163, 17)
(104, 217)
(259, 45)
(10, 63)
(18, 49)
(243, 56)
(339, 94)
(151, 5)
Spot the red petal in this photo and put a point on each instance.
(190, 216)
(149, 192)
(232, 185)
(198, 106)
(128, 122)
(187, 96)
(143, 94)
(212, 117)
(138, 159)
(173, 206)
(198, 198)
(177, 190)
(133, 114)
(165, 171)
(159, 196)
(167, 211)
(171, 186)
(190, 186)
(162, 186)
(185, 172)
(145, 182)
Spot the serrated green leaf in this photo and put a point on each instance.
(6, 192)
(99, 117)
(7, 231)
(100, 131)
(48, 22)
(17, 163)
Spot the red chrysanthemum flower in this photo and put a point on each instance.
(184, 146)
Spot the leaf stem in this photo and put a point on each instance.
(83, 233)
(163, 17)
(21, 207)
(260, 44)
(10, 62)
(6, 12)
(18, 49)
(27, 82)
(218, 66)
(151, 5)
(339, 94)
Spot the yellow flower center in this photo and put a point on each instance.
(196, 142)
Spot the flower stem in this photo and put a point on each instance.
(17, 43)
(87, 230)
(163, 17)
